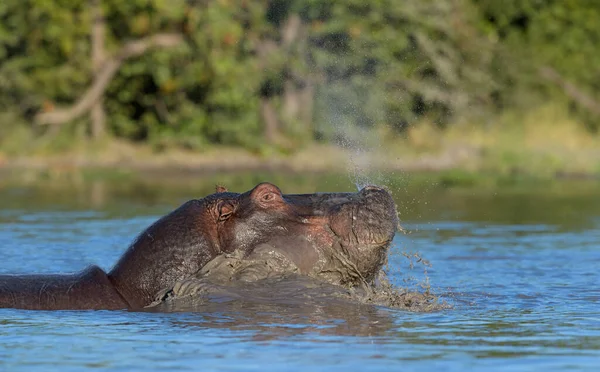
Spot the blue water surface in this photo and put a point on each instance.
(524, 289)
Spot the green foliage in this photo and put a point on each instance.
(202, 92)
(43, 53)
(535, 34)
(348, 69)
(395, 63)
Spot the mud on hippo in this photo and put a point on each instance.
(341, 238)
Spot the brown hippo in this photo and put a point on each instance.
(309, 229)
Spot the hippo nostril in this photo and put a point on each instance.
(371, 188)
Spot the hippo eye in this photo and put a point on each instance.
(268, 196)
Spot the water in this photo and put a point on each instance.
(520, 267)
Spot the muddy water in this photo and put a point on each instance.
(520, 267)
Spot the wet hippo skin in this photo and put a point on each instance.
(312, 231)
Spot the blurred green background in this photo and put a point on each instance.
(506, 87)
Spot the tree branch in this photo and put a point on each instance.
(97, 114)
(577, 95)
(443, 65)
(105, 75)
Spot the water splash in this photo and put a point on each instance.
(352, 128)
(359, 144)
(362, 168)
(359, 162)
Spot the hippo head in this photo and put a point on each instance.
(340, 237)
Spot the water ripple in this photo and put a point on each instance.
(523, 297)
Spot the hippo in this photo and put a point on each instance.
(313, 232)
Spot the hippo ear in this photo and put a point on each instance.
(219, 188)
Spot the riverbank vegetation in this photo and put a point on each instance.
(484, 86)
